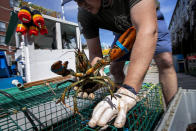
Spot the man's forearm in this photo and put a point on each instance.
(141, 56)
(95, 52)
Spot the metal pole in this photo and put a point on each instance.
(62, 8)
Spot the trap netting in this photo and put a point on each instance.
(36, 109)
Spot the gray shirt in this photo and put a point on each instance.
(114, 17)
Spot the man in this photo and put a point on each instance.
(117, 16)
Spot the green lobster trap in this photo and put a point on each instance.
(36, 109)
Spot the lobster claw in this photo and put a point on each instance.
(124, 44)
(60, 69)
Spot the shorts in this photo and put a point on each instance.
(163, 45)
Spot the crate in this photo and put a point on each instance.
(36, 109)
(180, 113)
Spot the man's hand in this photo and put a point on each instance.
(109, 108)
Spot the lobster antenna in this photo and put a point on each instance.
(64, 53)
(75, 50)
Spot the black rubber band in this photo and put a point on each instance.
(129, 88)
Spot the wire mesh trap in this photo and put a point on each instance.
(36, 109)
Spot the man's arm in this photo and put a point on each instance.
(143, 17)
(94, 47)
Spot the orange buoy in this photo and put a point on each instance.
(24, 14)
(38, 18)
(33, 30)
(21, 28)
(43, 30)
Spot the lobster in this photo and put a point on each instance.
(88, 77)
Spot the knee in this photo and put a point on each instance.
(165, 63)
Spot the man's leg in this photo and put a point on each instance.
(116, 69)
(167, 75)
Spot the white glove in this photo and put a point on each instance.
(109, 108)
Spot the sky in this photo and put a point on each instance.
(106, 37)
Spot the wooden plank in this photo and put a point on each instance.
(54, 80)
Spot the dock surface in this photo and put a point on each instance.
(185, 81)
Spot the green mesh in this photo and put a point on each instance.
(41, 102)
